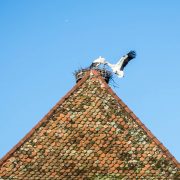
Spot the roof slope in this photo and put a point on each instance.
(89, 134)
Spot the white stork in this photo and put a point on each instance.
(97, 62)
(119, 66)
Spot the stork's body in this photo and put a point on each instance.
(119, 66)
(97, 62)
(116, 69)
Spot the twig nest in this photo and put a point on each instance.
(79, 74)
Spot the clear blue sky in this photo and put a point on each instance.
(43, 42)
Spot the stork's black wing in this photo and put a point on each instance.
(131, 55)
(125, 62)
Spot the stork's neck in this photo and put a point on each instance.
(109, 64)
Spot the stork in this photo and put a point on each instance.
(97, 62)
(120, 65)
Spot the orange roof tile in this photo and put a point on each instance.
(89, 134)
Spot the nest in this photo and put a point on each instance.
(79, 74)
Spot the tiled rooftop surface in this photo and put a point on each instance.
(89, 134)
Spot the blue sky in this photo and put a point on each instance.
(43, 42)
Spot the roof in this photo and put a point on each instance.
(89, 134)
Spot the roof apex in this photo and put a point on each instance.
(106, 75)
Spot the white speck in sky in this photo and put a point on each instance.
(66, 20)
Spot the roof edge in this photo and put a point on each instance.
(136, 119)
(30, 133)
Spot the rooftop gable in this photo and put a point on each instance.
(89, 133)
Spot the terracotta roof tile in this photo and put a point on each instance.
(89, 134)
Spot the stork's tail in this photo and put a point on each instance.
(131, 54)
